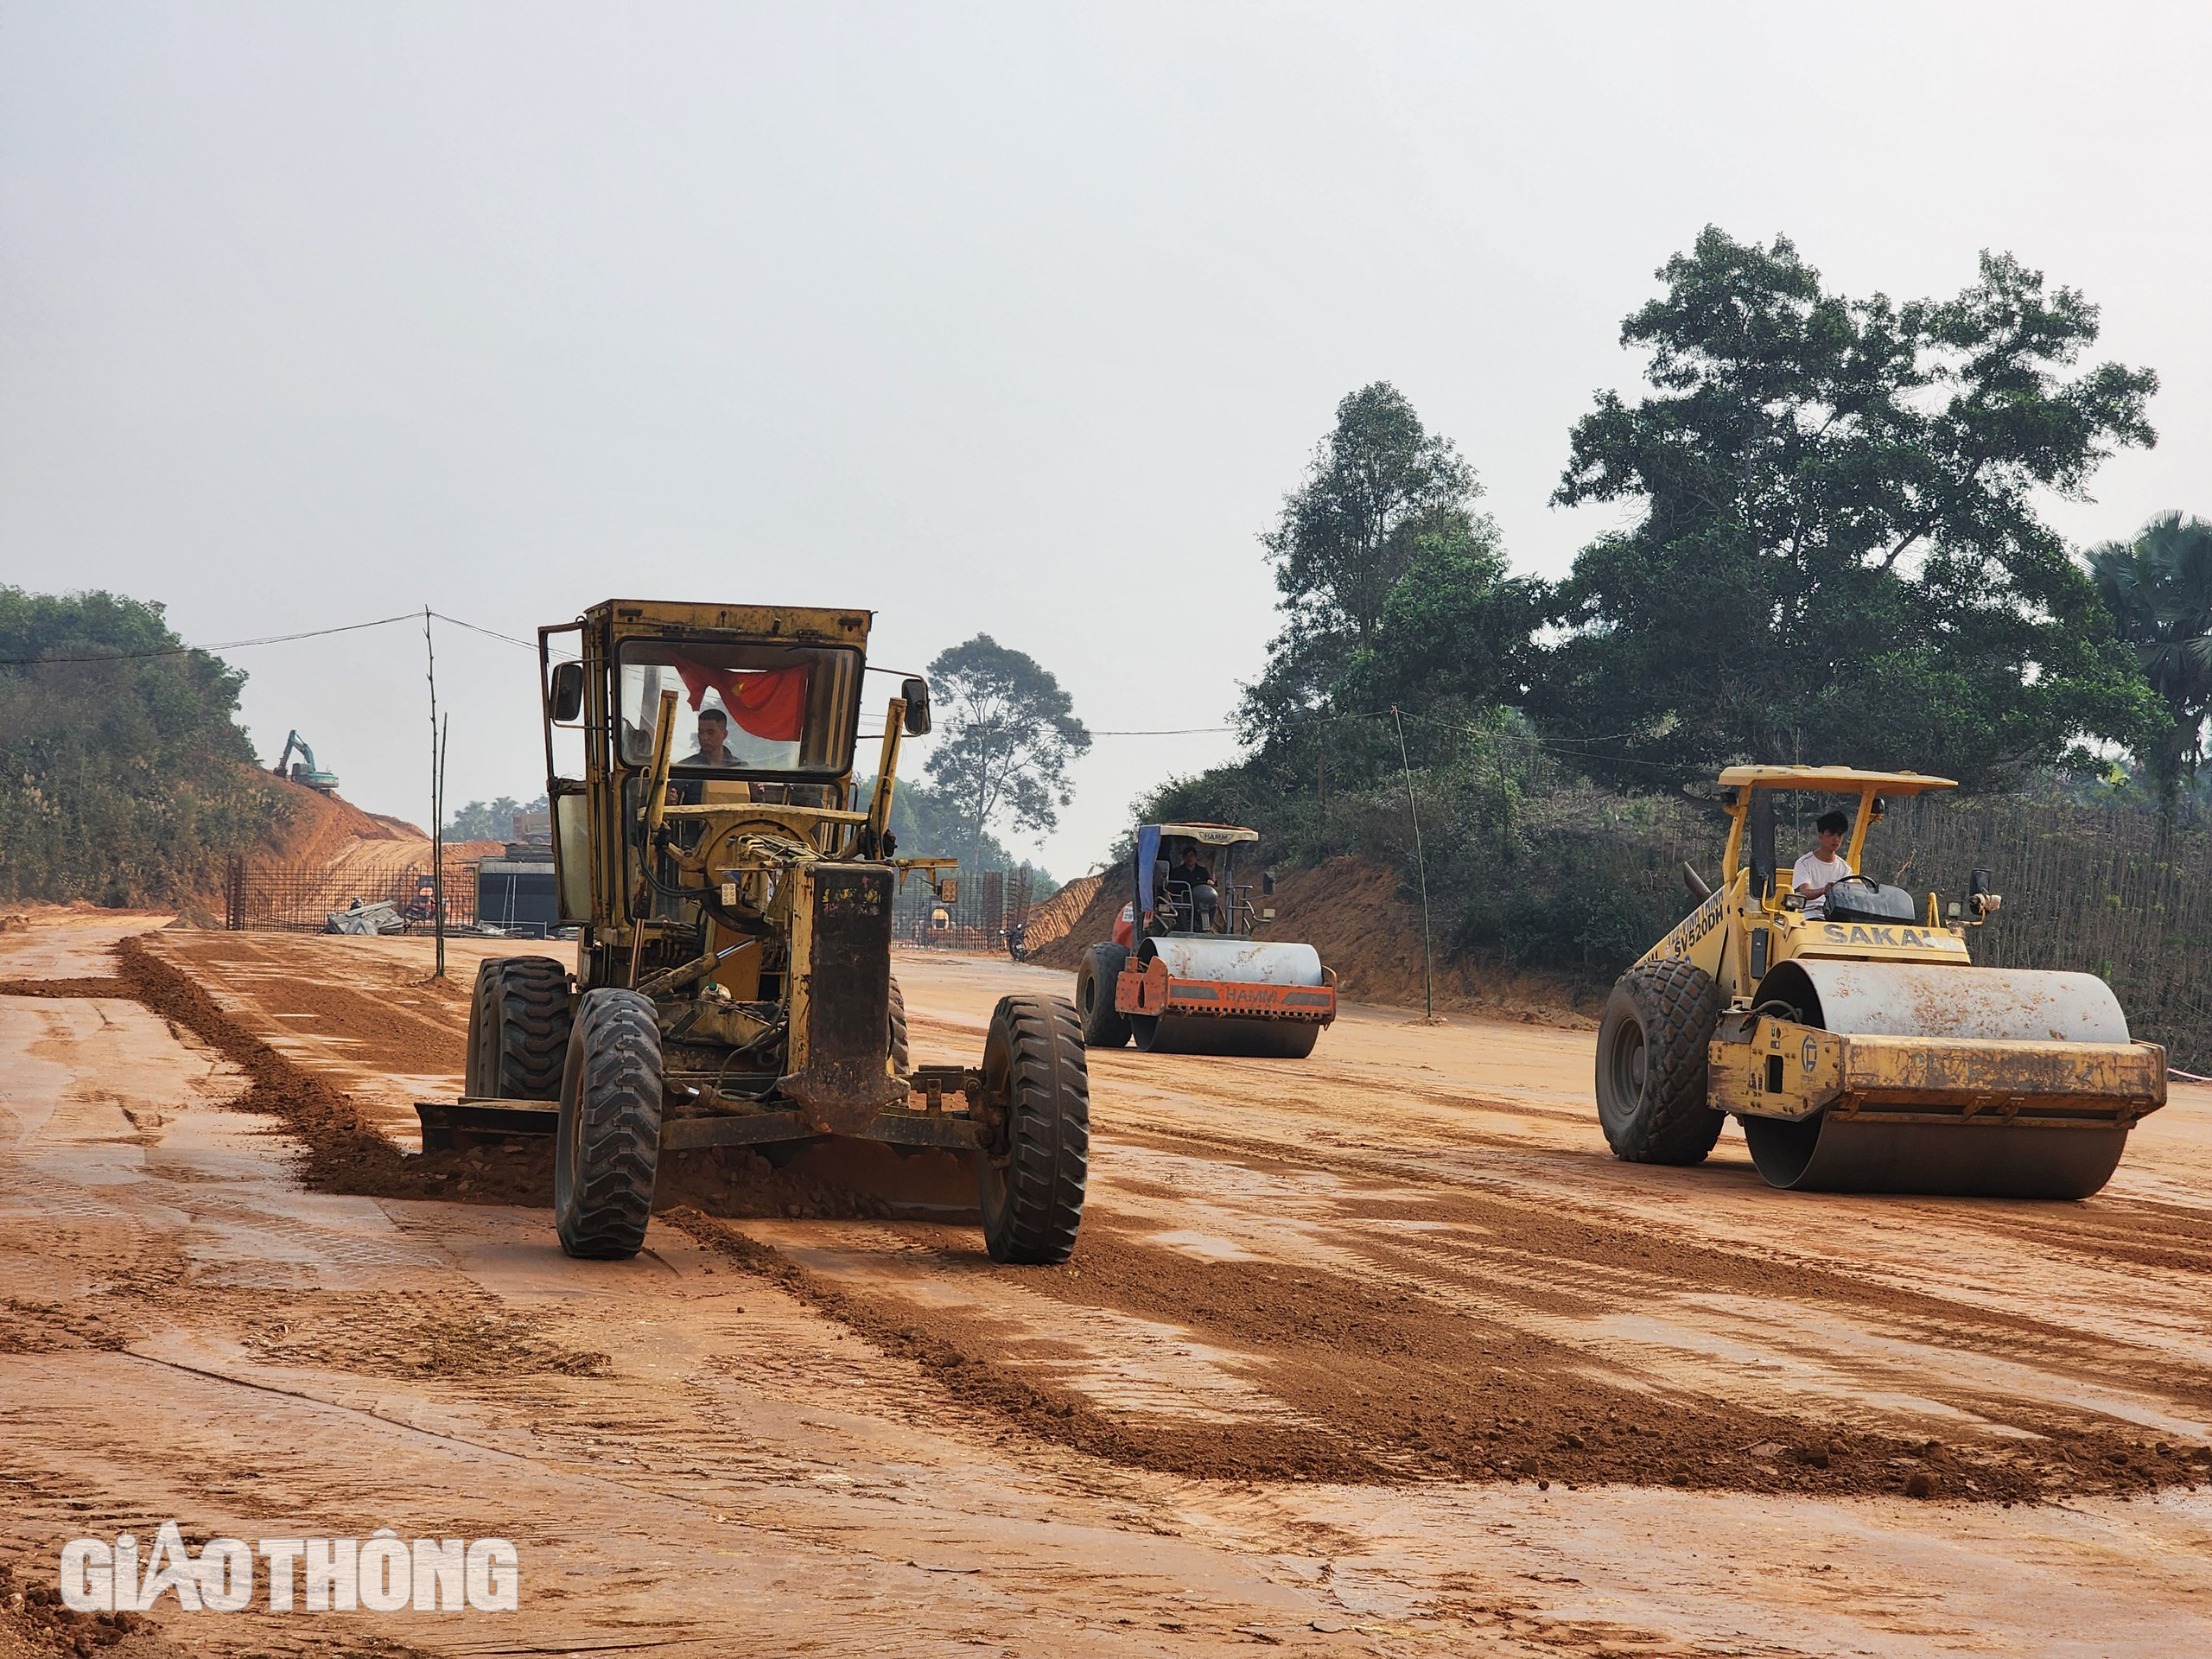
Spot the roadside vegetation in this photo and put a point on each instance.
(125, 776)
(1836, 557)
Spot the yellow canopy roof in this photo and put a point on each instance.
(1833, 780)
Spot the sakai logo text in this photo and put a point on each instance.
(1858, 933)
(384, 1574)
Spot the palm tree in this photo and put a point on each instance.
(2158, 587)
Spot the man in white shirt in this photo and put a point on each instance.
(1815, 872)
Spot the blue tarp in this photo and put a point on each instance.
(1147, 855)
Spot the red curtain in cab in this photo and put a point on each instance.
(771, 705)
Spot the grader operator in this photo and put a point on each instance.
(732, 983)
(1847, 1028)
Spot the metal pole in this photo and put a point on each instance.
(438, 852)
(437, 828)
(1421, 864)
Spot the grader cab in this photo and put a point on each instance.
(1860, 1046)
(732, 983)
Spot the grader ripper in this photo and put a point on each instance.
(1862, 1050)
(732, 981)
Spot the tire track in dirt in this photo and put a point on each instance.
(1405, 1380)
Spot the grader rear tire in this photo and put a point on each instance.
(607, 1147)
(1651, 1054)
(1036, 1098)
(901, 1052)
(1103, 1024)
(518, 1021)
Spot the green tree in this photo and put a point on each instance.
(1840, 557)
(1381, 490)
(1009, 736)
(125, 776)
(490, 820)
(1455, 630)
(2158, 587)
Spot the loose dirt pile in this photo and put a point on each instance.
(1051, 921)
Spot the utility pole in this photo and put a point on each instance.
(438, 805)
(1421, 864)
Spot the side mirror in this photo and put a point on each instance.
(567, 701)
(916, 695)
(1267, 883)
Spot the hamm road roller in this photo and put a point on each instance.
(1199, 982)
(1854, 1037)
(732, 983)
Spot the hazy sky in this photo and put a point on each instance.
(1017, 318)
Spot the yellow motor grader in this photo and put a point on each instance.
(732, 981)
(1856, 1041)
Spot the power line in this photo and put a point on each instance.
(489, 633)
(234, 645)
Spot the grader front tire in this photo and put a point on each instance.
(1651, 1064)
(1036, 1098)
(606, 1147)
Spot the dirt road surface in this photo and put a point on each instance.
(1377, 1353)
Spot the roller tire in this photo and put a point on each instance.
(902, 1053)
(1103, 1024)
(1036, 1097)
(607, 1148)
(1652, 1100)
(519, 1024)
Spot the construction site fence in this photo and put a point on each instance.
(1582, 880)
(986, 903)
(293, 899)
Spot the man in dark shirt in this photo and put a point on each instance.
(713, 740)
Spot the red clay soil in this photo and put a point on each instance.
(316, 827)
(1386, 1377)
(1051, 921)
(340, 1150)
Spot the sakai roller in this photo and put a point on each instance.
(1198, 981)
(1862, 1049)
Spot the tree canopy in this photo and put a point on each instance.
(2158, 587)
(1009, 734)
(1839, 556)
(1383, 499)
(124, 777)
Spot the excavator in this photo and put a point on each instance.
(303, 770)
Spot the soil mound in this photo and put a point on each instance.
(1049, 922)
(315, 829)
(1352, 912)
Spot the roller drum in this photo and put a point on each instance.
(1277, 1039)
(1896, 998)
(1234, 960)
(1973, 1157)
